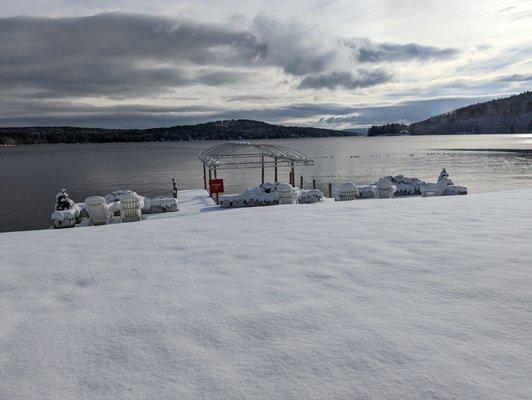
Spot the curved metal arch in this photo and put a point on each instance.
(214, 156)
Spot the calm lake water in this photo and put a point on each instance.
(30, 176)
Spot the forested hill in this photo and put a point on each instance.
(508, 115)
(219, 130)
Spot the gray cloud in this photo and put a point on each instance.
(110, 79)
(120, 37)
(117, 55)
(515, 78)
(49, 64)
(333, 80)
(295, 47)
(367, 51)
(219, 78)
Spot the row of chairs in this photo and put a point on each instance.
(384, 189)
(270, 194)
(101, 213)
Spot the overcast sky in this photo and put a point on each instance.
(328, 63)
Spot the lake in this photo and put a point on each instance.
(30, 176)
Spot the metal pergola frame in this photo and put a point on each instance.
(245, 155)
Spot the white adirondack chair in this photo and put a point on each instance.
(384, 189)
(438, 189)
(348, 191)
(130, 208)
(100, 213)
(286, 193)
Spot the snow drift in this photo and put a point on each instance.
(409, 298)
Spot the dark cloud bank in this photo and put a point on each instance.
(49, 64)
(370, 52)
(348, 80)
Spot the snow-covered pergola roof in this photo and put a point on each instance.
(252, 155)
(236, 155)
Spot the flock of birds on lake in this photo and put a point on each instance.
(384, 155)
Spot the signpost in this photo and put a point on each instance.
(216, 186)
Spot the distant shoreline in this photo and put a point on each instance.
(260, 138)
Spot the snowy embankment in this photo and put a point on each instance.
(407, 298)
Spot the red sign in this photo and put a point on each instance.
(216, 186)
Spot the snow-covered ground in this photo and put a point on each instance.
(413, 298)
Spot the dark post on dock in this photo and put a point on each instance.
(174, 188)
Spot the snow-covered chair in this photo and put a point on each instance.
(384, 189)
(443, 187)
(100, 213)
(286, 193)
(439, 189)
(444, 175)
(162, 204)
(130, 208)
(310, 196)
(348, 191)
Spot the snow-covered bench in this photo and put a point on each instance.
(232, 201)
(310, 196)
(163, 204)
(455, 190)
(66, 218)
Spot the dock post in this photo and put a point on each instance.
(210, 178)
(174, 188)
(301, 182)
(314, 184)
(276, 180)
(330, 189)
(293, 172)
(262, 159)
